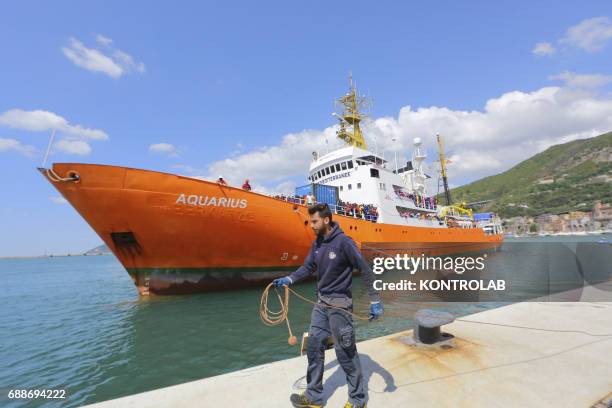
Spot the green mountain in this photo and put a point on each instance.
(564, 177)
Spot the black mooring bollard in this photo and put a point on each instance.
(427, 325)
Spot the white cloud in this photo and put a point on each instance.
(286, 187)
(91, 59)
(166, 148)
(78, 147)
(116, 64)
(75, 139)
(190, 170)
(590, 35)
(40, 120)
(127, 62)
(239, 149)
(273, 164)
(470, 161)
(100, 39)
(543, 49)
(58, 200)
(510, 128)
(574, 80)
(16, 145)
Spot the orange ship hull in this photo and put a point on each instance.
(177, 234)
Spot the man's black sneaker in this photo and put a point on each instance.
(302, 401)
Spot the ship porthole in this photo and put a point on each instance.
(305, 222)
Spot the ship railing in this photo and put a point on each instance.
(426, 204)
(336, 209)
(289, 198)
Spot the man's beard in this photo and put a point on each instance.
(323, 231)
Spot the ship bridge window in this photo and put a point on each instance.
(373, 159)
(332, 169)
(374, 173)
(337, 166)
(327, 171)
(343, 165)
(319, 174)
(350, 187)
(358, 185)
(350, 164)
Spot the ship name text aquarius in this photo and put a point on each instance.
(205, 201)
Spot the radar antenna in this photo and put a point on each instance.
(350, 116)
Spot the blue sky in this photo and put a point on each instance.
(246, 88)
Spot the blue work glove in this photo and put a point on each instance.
(376, 310)
(280, 282)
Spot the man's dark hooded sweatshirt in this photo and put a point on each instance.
(334, 257)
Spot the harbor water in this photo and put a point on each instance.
(78, 324)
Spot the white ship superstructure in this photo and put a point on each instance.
(364, 177)
(399, 195)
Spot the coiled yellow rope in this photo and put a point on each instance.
(274, 318)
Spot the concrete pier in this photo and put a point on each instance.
(522, 355)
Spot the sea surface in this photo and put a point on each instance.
(77, 324)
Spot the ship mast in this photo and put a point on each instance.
(443, 170)
(350, 117)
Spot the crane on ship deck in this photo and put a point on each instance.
(456, 210)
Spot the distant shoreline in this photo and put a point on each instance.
(53, 256)
(560, 234)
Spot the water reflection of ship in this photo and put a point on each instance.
(177, 234)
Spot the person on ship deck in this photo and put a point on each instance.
(310, 199)
(364, 211)
(246, 186)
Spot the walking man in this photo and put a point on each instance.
(333, 256)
